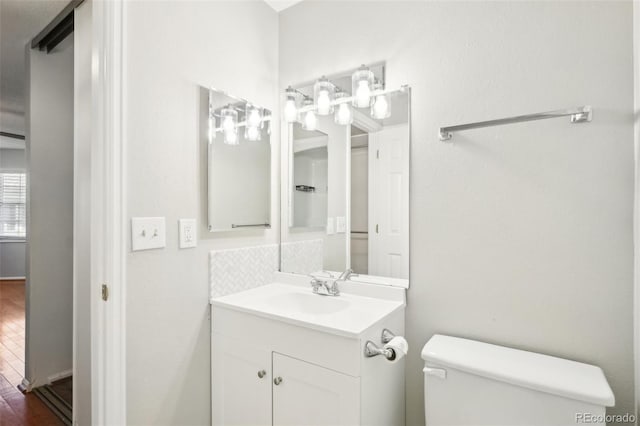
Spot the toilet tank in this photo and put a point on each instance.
(473, 383)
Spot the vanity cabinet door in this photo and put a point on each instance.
(241, 382)
(306, 394)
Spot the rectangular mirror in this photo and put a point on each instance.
(346, 194)
(239, 166)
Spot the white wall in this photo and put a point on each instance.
(520, 235)
(49, 322)
(12, 253)
(170, 49)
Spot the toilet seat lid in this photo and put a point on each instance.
(558, 376)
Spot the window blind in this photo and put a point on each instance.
(13, 197)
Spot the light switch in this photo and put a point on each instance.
(330, 227)
(341, 225)
(148, 233)
(187, 231)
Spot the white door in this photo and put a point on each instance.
(241, 383)
(389, 202)
(305, 394)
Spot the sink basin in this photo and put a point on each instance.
(347, 314)
(309, 303)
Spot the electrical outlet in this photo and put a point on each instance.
(147, 233)
(341, 225)
(187, 231)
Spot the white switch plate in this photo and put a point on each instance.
(330, 227)
(187, 231)
(148, 233)
(341, 225)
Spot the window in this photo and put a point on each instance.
(13, 197)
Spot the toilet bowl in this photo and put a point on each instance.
(473, 383)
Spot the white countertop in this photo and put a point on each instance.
(348, 314)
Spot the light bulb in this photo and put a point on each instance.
(324, 102)
(252, 133)
(361, 82)
(253, 118)
(323, 91)
(231, 137)
(310, 121)
(380, 107)
(343, 114)
(290, 111)
(363, 94)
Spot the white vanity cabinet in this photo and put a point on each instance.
(276, 371)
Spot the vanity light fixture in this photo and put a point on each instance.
(381, 106)
(290, 105)
(323, 94)
(323, 97)
(309, 121)
(343, 114)
(229, 125)
(361, 86)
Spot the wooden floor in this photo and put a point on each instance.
(12, 331)
(16, 408)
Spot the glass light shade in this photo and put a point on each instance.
(381, 106)
(253, 116)
(361, 86)
(252, 133)
(231, 137)
(228, 119)
(343, 114)
(309, 118)
(323, 92)
(291, 105)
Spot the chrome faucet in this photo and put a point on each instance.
(328, 286)
(346, 275)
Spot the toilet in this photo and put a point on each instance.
(474, 383)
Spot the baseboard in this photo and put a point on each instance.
(12, 278)
(61, 375)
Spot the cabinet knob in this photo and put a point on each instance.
(277, 380)
(262, 373)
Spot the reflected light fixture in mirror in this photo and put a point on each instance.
(229, 125)
(323, 95)
(310, 121)
(361, 86)
(381, 106)
(253, 124)
(291, 105)
(343, 114)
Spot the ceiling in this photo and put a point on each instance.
(280, 5)
(20, 21)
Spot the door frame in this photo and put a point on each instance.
(108, 216)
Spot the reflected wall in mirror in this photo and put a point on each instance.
(239, 166)
(310, 174)
(346, 181)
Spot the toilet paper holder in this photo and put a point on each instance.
(371, 349)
